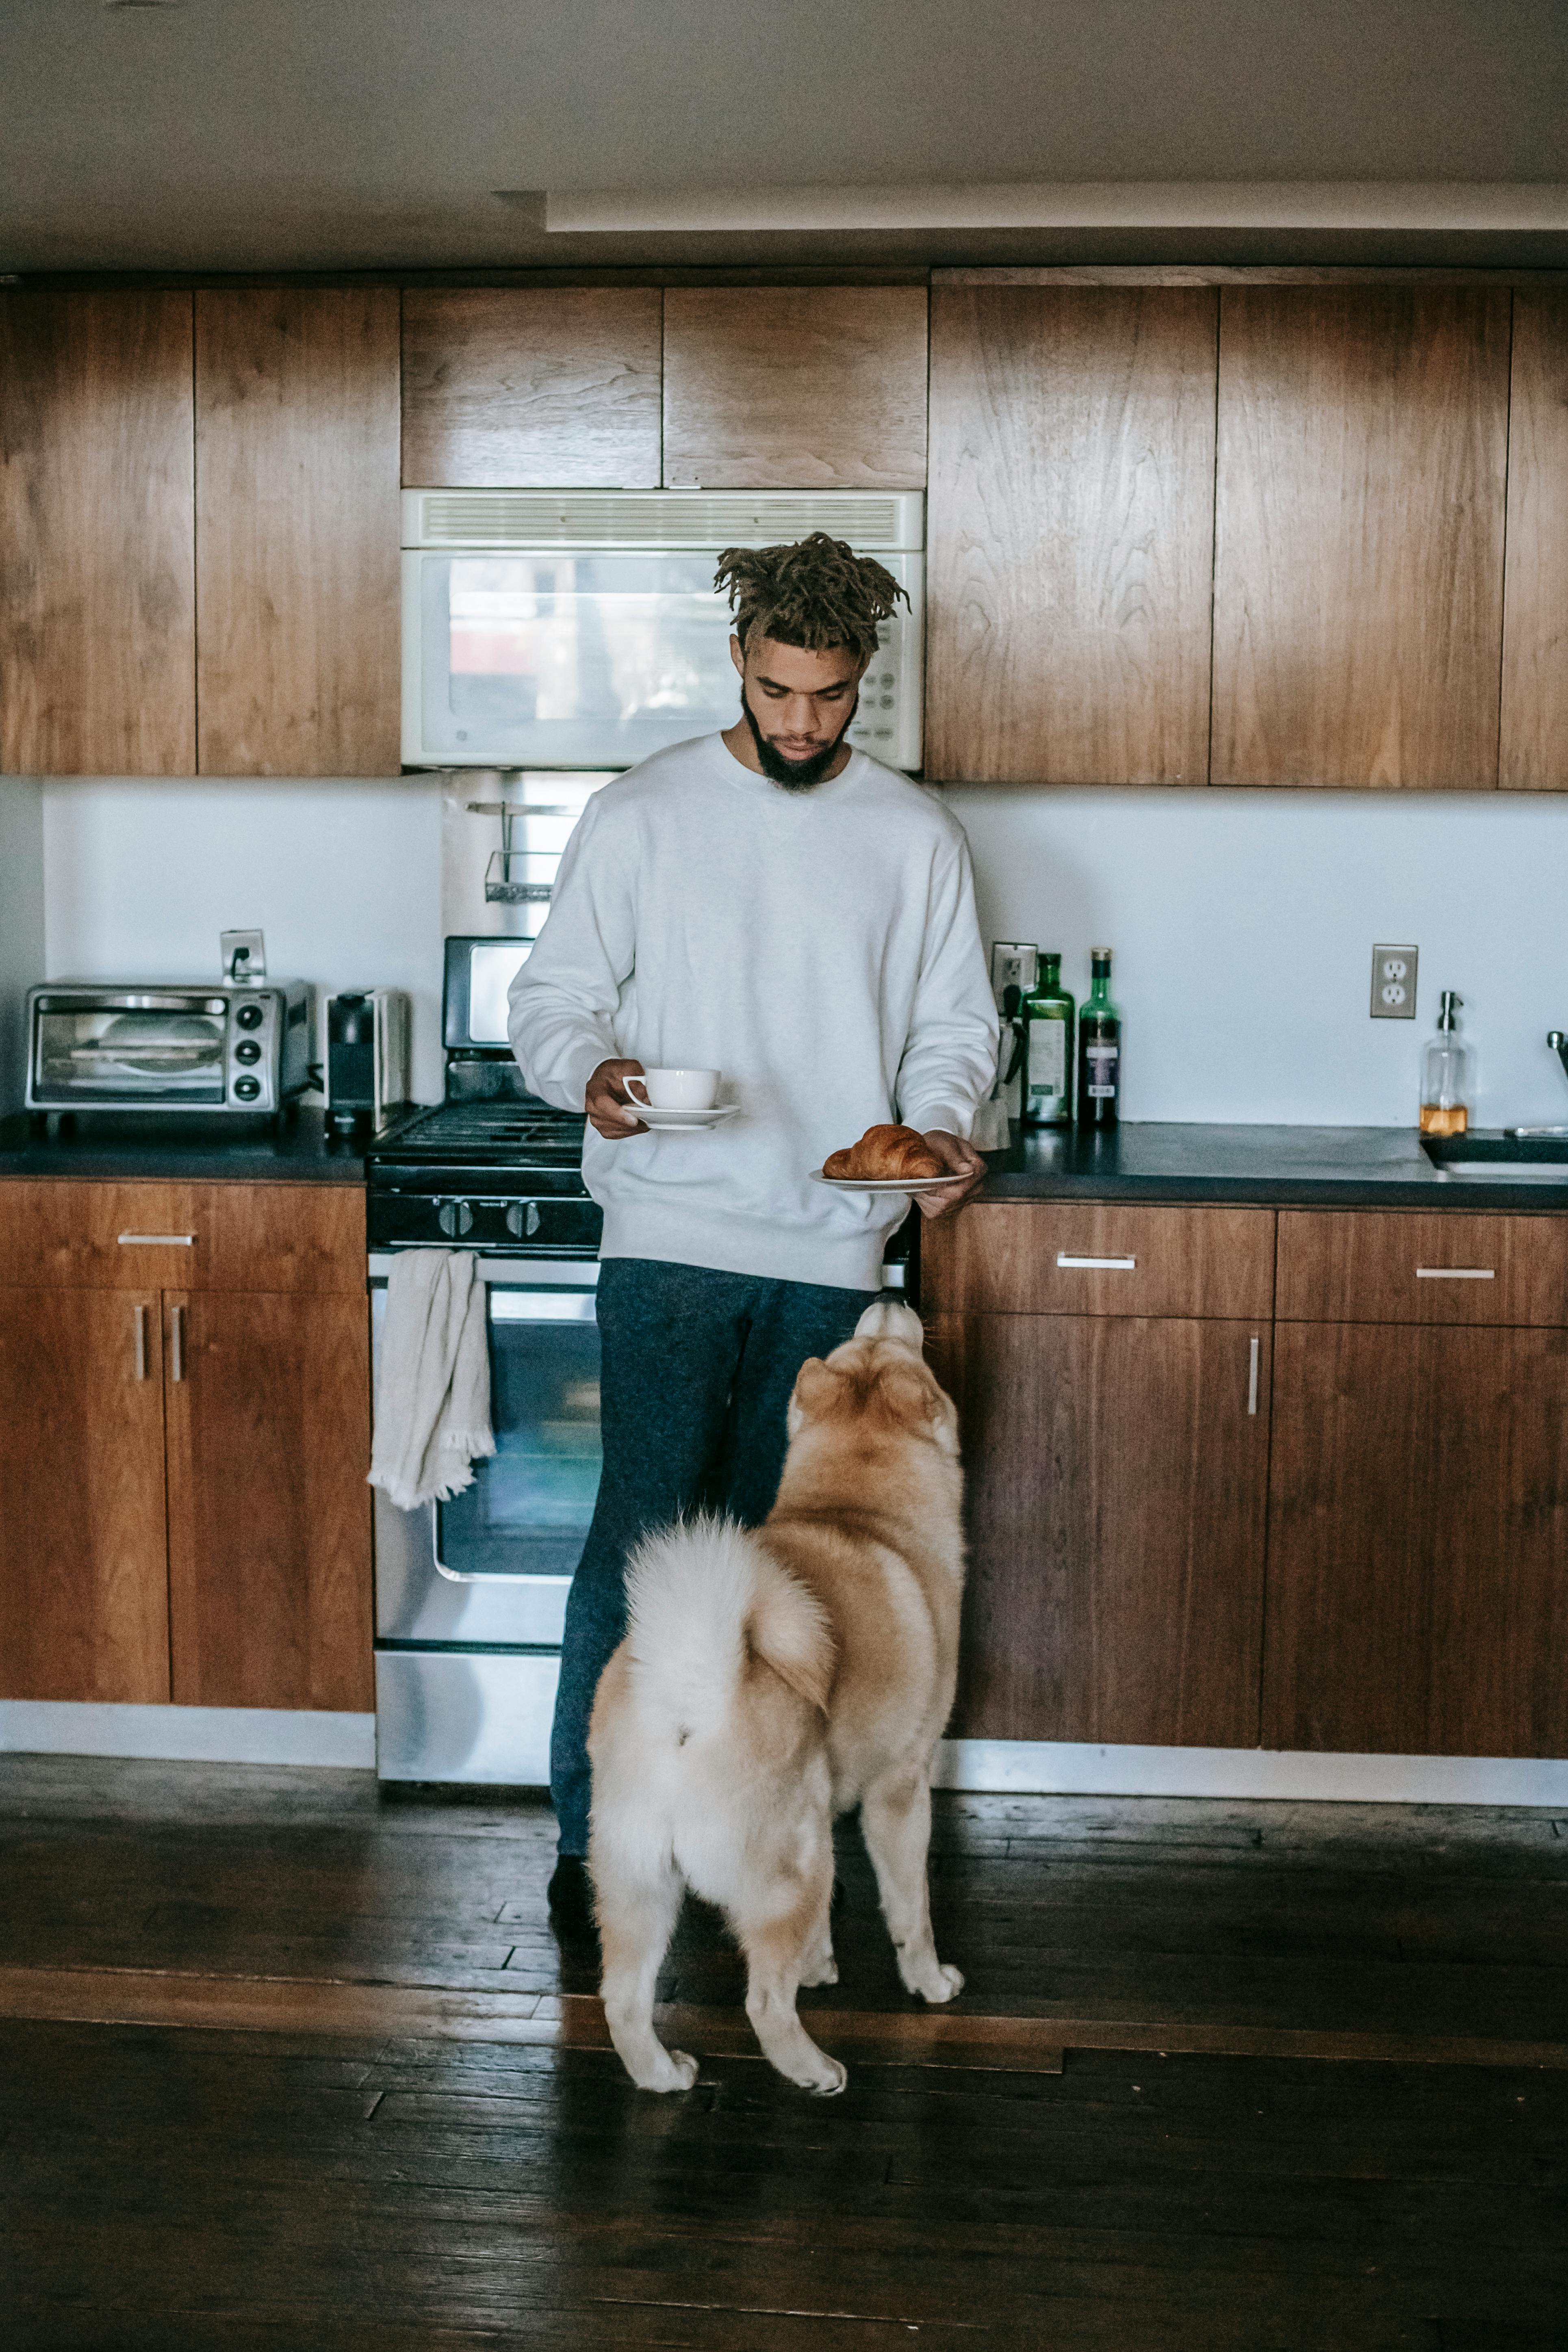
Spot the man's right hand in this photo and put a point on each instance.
(609, 1106)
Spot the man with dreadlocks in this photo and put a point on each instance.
(769, 903)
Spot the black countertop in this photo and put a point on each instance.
(1269, 1167)
(119, 1147)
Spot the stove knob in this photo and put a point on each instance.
(522, 1219)
(455, 1218)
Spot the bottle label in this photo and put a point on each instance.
(1103, 1061)
(1048, 1068)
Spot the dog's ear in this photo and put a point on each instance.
(909, 1394)
(816, 1387)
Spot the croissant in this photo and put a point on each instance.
(884, 1153)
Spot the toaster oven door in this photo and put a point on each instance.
(144, 1049)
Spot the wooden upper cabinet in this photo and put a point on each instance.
(296, 532)
(96, 536)
(531, 388)
(1533, 755)
(1359, 535)
(1070, 533)
(794, 388)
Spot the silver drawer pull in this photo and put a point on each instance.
(156, 1241)
(1100, 1265)
(1252, 1375)
(141, 1316)
(1455, 1274)
(177, 1335)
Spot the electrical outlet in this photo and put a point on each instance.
(1393, 983)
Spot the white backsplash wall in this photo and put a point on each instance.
(21, 923)
(1244, 922)
(141, 874)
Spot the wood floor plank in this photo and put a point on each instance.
(296, 2005)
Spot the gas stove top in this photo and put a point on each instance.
(503, 1134)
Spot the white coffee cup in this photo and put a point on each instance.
(675, 1090)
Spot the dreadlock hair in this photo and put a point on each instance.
(815, 594)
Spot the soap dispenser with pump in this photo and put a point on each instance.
(1448, 1075)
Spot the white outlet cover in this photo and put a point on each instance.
(1393, 974)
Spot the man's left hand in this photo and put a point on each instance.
(968, 1167)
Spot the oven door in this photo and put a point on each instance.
(493, 1566)
(156, 1049)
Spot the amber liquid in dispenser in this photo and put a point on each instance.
(1447, 1072)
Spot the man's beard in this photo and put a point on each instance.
(795, 775)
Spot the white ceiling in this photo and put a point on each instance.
(266, 134)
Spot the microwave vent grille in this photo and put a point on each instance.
(673, 518)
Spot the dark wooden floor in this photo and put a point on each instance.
(171, 2187)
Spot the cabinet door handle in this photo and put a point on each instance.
(1455, 1274)
(156, 1241)
(1100, 1265)
(177, 1343)
(1253, 1354)
(139, 1315)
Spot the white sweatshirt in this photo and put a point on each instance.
(818, 948)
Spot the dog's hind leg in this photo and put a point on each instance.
(895, 1821)
(779, 1944)
(820, 1967)
(637, 1908)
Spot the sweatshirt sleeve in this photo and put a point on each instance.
(562, 1004)
(949, 1058)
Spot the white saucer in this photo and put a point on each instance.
(884, 1184)
(675, 1122)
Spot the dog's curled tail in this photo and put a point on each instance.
(706, 1599)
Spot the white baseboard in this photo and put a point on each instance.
(189, 1735)
(1067, 1769)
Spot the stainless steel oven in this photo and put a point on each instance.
(470, 1595)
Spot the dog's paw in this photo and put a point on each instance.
(677, 2072)
(830, 2079)
(821, 1972)
(934, 1980)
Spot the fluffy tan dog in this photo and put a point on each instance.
(771, 1679)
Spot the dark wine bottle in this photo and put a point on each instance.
(1098, 1048)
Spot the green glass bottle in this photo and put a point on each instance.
(1048, 1014)
(1099, 1049)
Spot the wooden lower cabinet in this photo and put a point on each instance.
(1418, 1594)
(270, 1546)
(183, 1512)
(83, 1587)
(1117, 1495)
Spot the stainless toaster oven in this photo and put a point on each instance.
(184, 1046)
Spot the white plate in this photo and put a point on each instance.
(672, 1122)
(884, 1184)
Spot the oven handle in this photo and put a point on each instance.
(509, 1272)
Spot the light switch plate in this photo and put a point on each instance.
(1393, 982)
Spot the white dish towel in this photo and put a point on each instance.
(433, 1393)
